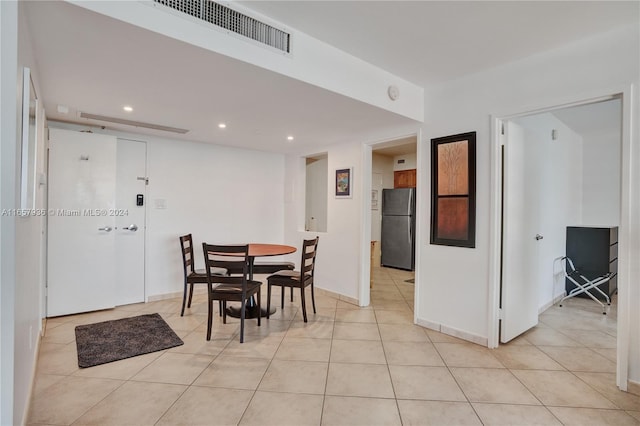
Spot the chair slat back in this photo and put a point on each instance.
(308, 262)
(186, 246)
(236, 257)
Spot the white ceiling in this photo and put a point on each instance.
(95, 64)
(427, 42)
(402, 146)
(599, 118)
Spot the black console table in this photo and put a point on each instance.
(594, 251)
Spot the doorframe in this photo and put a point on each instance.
(624, 253)
(364, 292)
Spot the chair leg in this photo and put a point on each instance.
(190, 295)
(220, 307)
(282, 290)
(209, 319)
(184, 299)
(268, 299)
(291, 294)
(313, 299)
(224, 312)
(259, 307)
(304, 307)
(243, 307)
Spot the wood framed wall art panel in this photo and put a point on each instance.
(453, 190)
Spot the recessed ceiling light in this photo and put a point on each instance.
(289, 138)
(127, 108)
(222, 125)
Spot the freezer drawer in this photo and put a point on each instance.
(398, 242)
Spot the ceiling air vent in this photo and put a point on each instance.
(132, 123)
(232, 20)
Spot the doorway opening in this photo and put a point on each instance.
(316, 192)
(392, 252)
(553, 169)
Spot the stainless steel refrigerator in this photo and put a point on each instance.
(398, 241)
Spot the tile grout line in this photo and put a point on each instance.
(255, 391)
(326, 381)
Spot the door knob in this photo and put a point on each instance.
(539, 237)
(132, 227)
(105, 228)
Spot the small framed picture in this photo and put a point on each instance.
(344, 183)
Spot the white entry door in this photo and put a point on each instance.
(520, 251)
(96, 229)
(81, 255)
(130, 221)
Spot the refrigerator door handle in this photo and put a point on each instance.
(410, 201)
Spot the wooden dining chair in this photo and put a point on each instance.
(191, 275)
(297, 279)
(229, 288)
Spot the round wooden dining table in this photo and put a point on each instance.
(259, 250)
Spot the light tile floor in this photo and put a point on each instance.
(346, 366)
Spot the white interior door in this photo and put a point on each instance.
(81, 256)
(130, 221)
(519, 299)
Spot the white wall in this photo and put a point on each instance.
(382, 166)
(28, 245)
(316, 196)
(410, 162)
(9, 125)
(553, 170)
(455, 296)
(218, 194)
(22, 267)
(601, 179)
(337, 267)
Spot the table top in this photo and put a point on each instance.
(259, 250)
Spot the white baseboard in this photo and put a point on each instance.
(451, 331)
(158, 297)
(552, 302)
(428, 324)
(203, 290)
(32, 385)
(465, 335)
(338, 296)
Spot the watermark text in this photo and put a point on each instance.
(66, 212)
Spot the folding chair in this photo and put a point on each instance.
(583, 284)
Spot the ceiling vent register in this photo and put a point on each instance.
(232, 20)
